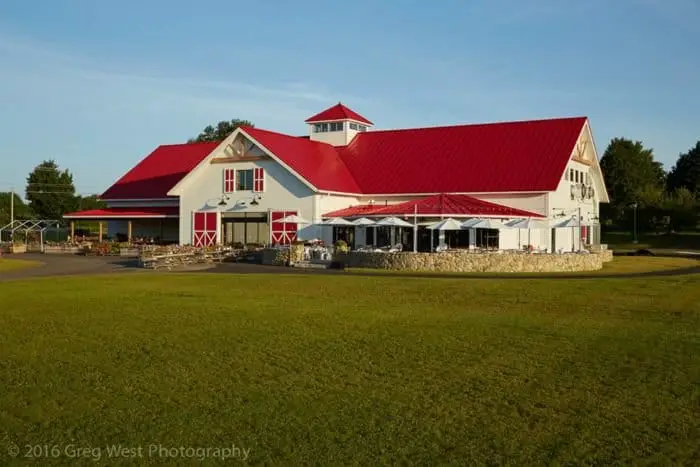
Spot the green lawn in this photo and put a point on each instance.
(619, 265)
(346, 369)
(624, 241)
(7, 264)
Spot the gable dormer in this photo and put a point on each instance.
(337, 125)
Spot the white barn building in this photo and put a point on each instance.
(235, 191)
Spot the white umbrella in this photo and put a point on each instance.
(337, 221)
(293, 219)
(571, 222)
(470, 222)
(446, 224)
(527, 224)
(363, 221)
(393, 222)
(488, 224)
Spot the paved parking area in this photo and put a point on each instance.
(70, 265)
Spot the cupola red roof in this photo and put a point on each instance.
(338, 112)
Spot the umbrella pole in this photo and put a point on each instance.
(415, 228)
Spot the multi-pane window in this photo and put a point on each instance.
(244, 180)
(321, 127)
(336, 126)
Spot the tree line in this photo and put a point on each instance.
(632, 176)
(49, 193)
(639, 186)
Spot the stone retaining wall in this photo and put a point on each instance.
(279, 256)
(462, 261)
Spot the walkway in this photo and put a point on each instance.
(68, 265)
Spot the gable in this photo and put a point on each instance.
(240, 149)
(155, 175)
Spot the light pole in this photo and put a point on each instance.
(634, 223)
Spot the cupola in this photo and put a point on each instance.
(337, 125)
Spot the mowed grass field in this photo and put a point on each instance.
(347, 369)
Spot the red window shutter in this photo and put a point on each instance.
(258, 179)
(229, 180)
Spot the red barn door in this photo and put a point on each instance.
(205, 228)
(282, 232)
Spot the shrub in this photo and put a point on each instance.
(341, 246)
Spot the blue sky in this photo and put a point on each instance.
(98, 85)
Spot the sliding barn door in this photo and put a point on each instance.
(205, 228)
(282, 233)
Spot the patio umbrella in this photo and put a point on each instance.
(527, 224)
(470, 222)
(393, 222)
(487, 224)
(337, 221)
(293, 219)
(571, 222)
(446, 224)
(363, 221)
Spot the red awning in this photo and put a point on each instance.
(438, 205)
(126, 213)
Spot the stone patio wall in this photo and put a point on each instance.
(463, 261)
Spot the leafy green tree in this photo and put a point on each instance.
(686, 172)
(85, 203)
(630, 171)
(220, 131)
(21, 210)
(50, 191)
(681, 205)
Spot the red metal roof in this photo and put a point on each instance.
(447, 205)
(496, 157)
(158, 172)
(126, 213)
(316, 162)
(526, 156)
(337, 112)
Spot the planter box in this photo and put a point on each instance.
(65, 250)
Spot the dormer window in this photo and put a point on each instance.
(336, 126)
(321, 128)
(357, 127)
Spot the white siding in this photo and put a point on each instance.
(283, 191)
